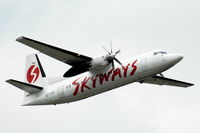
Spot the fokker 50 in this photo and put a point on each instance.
(90, 76)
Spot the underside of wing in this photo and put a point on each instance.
(68, 57)
(158, 80)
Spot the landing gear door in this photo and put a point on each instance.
(144, 64)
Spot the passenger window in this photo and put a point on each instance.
(155, 53)
(163, 52)
(159, 52)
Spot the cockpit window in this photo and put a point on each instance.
(162, 52)
(159, 52)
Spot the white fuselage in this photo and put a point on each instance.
(95, 82)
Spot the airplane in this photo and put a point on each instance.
(90, 76)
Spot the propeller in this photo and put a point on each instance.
(112, 56)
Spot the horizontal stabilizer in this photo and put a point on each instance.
(24, 86)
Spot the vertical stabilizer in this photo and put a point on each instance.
(34, 73)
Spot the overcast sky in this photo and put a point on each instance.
(84, 26)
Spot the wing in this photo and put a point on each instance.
(165, 81)
(24, 86)
(68, 57)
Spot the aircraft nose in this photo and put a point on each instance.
(179, 57)
(174, 58)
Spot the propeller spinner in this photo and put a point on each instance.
(112, 56)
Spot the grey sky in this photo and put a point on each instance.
(85, 26)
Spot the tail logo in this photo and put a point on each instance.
(33, 74)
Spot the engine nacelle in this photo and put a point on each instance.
(99, 62)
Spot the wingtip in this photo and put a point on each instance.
(9, 80)
(190, 85)
(19, 38)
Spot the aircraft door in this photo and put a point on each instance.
(50, 96)
(61, 92)
(144, 64)
(163, 58)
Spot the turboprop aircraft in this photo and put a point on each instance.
(90, 76)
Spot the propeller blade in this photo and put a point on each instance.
(118, 61)
(106, 50)
(113, 64)
(111, 47)
(118, 51)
